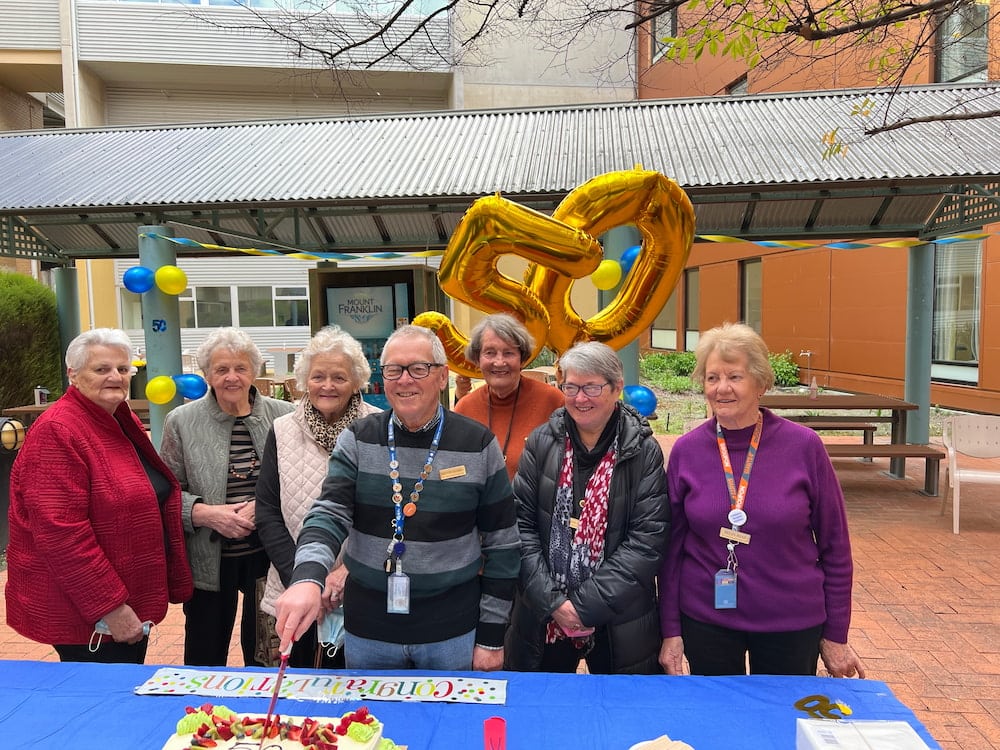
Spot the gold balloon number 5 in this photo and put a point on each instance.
(561, 249)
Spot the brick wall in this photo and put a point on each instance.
(19, 111)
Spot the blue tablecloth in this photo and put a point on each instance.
(93, 707)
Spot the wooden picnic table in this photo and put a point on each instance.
(807, 407)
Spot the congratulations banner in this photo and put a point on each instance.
(328, 688)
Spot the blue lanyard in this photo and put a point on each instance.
(401, 511)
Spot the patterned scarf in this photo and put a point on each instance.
(574, 557)
(325, 433)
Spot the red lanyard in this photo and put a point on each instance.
(738, 497)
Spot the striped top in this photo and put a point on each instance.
(462, 545)
(241, 483)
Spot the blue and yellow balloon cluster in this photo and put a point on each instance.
(163, 388)
(168, 279)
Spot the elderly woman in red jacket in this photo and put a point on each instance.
(96, 547)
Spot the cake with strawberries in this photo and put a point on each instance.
(218, 727)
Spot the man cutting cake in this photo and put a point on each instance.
(422, 501)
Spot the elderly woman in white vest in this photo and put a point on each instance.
(332, 371)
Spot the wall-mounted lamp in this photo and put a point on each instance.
(11, 434)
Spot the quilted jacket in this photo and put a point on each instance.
(621, 593)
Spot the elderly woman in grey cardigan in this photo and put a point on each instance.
(213, 446)
(332, 371)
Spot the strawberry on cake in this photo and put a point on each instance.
(218, 727)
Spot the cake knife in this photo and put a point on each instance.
(274, 696)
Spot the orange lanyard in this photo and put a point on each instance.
(737, 497)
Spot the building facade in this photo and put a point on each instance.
(842, 313)
(114, 63)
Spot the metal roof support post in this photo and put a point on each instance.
(160, 322)
(919, 323)
(67, 309)
(616, 241)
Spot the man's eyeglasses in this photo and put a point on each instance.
(417, 370)
(591, 389)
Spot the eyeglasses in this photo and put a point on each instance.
(591, 389)
(417, 370)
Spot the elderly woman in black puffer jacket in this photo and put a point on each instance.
(594, 519)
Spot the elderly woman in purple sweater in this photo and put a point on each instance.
(759, 559)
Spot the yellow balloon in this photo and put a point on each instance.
(607, 275)
(161, 389)
(171, 280)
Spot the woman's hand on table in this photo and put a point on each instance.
(672, 655)
(840, 659)
(233, 520)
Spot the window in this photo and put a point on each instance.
(291, 306)
(955, 337)
(662, 27)
(750, 293)
(739, 87)
(213, 307)
(131, 305)
(255, 306)
(961, 54)
(664, 333)
(692, 302)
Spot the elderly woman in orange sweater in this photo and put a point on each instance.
(509, 405)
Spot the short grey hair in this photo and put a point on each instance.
(334, 340)
(412, 331)
(78, 351)
(594, 358)
(233, 340)
(506, 327)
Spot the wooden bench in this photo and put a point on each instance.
(868, 428)
(931, 455)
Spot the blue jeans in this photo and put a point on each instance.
(452, 655)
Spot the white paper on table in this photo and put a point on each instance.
(824, 734)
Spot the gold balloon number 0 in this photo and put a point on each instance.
(561, 249)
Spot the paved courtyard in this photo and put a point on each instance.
(926, 602)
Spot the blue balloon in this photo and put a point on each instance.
(628, 258)
(190, 385)
(139, 279)
(641, 398)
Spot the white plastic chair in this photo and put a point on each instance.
(974, 436)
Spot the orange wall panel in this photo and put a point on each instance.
(868, 325)
(720, 295)
(795, 315)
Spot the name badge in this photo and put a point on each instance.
(725, 589)
(734, 536)
(453, 473)
(398, 594)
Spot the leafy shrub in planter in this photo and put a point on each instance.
(29, 330)
(786, 370)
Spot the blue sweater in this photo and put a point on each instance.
(462, 546)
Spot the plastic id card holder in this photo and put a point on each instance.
(398, 594)
(725, 589)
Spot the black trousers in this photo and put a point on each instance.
(209, 616)
(716, 651)
(108, 652)
(564, 655)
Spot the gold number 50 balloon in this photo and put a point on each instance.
(561, 249)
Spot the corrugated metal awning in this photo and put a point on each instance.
(752, 166)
